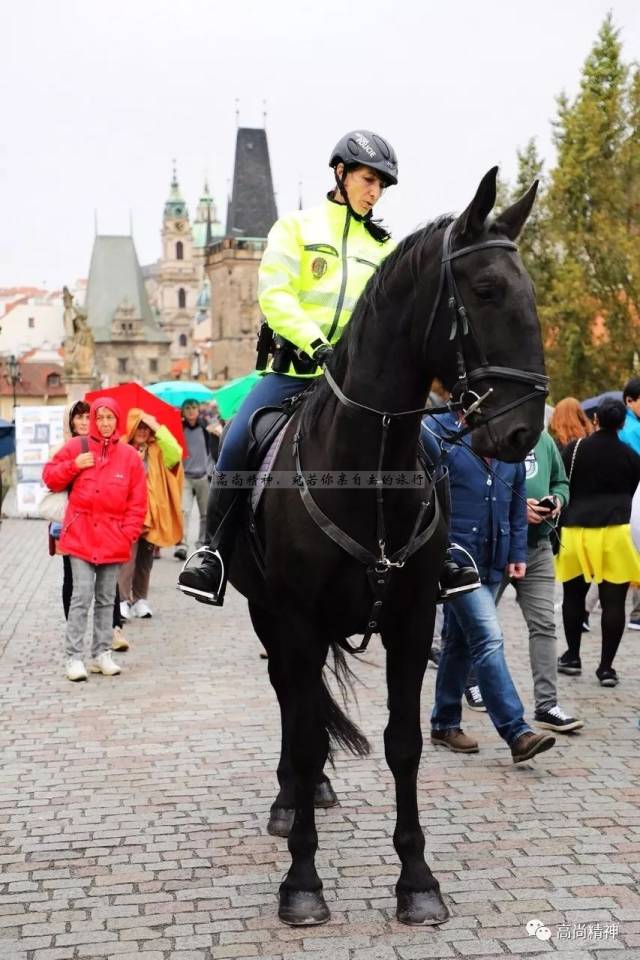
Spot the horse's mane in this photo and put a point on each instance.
(372, 303)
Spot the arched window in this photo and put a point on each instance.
(182, 339)
(179, 250)
(182, 298)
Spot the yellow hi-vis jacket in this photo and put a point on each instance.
(315, 266)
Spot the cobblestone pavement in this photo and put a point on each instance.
(133, 809)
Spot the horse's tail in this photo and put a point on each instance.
(342, 731)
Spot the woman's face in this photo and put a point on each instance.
(142, 434)
(364, 187)
(80, 425)
(106, 422)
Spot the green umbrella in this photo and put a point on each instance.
(175, 392)
(230, 396)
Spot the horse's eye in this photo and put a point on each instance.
(486, 293)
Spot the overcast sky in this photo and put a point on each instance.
(100, 96)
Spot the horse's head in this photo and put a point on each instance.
(487, 305)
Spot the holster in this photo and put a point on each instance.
(287, 355)
(265, 345)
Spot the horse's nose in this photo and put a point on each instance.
(521, 439)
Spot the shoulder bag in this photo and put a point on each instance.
(53, 506)
(555, 546)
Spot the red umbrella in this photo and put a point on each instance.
(131, 395)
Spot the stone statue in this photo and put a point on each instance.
(79, 345)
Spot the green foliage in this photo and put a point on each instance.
(581, 244)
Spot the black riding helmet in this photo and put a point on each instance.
(370, 149)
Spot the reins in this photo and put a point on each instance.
(379, 567)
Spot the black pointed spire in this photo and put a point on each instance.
(252, 210)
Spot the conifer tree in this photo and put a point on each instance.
(589, 302)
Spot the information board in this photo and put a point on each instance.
(38, 435)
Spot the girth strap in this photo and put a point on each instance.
(378, 569)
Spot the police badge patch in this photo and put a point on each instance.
(319, 267)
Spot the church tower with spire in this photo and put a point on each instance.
(233, 257)
(177, 282)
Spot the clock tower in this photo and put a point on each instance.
(177, 279)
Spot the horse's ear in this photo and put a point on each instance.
(469, 224)
(512, 220)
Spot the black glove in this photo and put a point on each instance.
(322, 354)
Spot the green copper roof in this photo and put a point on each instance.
(175, 208)
(199, 232)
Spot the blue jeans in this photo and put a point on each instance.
(472, 634)
(270, 390)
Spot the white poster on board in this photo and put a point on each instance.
(38, 435)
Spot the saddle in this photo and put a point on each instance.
(264, 426)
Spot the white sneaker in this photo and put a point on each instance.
(141, 609)
(106, 665)
(125, 609)
(119, 641)
(76, 670)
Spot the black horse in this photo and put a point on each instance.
(316, 587)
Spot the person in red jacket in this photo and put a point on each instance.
(104, 517)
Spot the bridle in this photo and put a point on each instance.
(461, 327)
(470, 402)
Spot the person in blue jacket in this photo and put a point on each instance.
(489, 521)
(630, 433)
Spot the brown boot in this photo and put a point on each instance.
(529, 744)
(455, 740)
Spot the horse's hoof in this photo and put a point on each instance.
(280, 821)
(325, 795)
(302, 908)
(424, 908)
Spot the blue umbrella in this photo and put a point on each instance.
(176, 392)
(594, 402)
(7, 438)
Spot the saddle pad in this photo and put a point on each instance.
(265, 467)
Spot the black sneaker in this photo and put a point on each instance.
(180, 553)
(607, 678)
(474, 699)
(569, 664)
(557, 719)
(455, 580)
(585, 624)
(205, 582)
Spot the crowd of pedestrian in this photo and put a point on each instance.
(132, 488)
(126, 498)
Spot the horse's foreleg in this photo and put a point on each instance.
(301, 899)
(417, 890)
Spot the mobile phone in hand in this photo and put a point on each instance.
(547, 503)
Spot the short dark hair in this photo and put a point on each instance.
(76, 410)
(611, 414)
(190, 402)
(631, 389)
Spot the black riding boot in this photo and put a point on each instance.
(454, 579)
(207, 583)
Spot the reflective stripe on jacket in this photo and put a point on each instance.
(315, 266)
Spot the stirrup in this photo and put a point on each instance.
(215, 599)
(468, 587)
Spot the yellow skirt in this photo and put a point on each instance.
(598, 553)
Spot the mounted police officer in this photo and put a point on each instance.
(315, 266)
